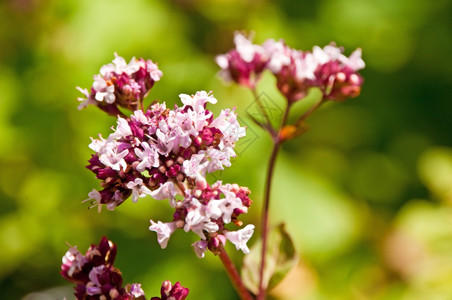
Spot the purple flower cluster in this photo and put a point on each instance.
(206, 211)
(296, 71)
(163, 152)
(95, 275)
(243, 64)
(121, 84)
(167, 152)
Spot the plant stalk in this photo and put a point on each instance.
(265, 223)
(234, 276)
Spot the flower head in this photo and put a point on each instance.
(336, 74)
(98, 279)
(94, 273)
(328, 69)
(296, 71)
(244, 63)
(168, 291)
(153, 153)
(206, 211)
(121, 84)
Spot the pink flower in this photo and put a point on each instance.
(293, 69)
(244, 63)
(73, 261)
(170, 292)
(205, 211)
(139, 190)
(122, 130)
(164, 231)
(240, 237)
(195, 169)
(96, 277)
(121, 84)
(166, 191)
(136, 291)
(149, 157)
(296, 71)
(336, 74)
(158, 151)
(200, 247)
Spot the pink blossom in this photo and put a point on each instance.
(243, 64)
(172, 292)
(206, 211)
(240, 237)
(136, 290)
(149, 157)
(121, 84)
(139, 190)
(73, 261)
(166, 191)
(200, 248)
(164, 231)
(164, 149)
(95, 275)
(122, 130)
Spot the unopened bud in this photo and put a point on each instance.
(166, 287)
(341, 77)
(354, 79)
(197, 193)
(114, 293)
(169, 163)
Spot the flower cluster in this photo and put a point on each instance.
(121, 84)
(206, 211)
(168, 291)
(164, 153)
(95, 275)
(157, 152)
(296, 71)
(243, 64)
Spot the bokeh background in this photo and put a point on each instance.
(366, 193)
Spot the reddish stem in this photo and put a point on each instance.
(277, 142)
(234, 276)
(265, 224)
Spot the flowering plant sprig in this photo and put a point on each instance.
(296, 72)
(162, 152)
(98, 279)
(166, 153)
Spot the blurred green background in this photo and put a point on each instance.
(366, 193)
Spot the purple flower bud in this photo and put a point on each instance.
(95, 275)
(172, 292)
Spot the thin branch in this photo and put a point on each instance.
(310, 111)
(265, 210)
(234, 276)
(261, 108)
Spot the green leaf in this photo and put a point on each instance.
(281, 257)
